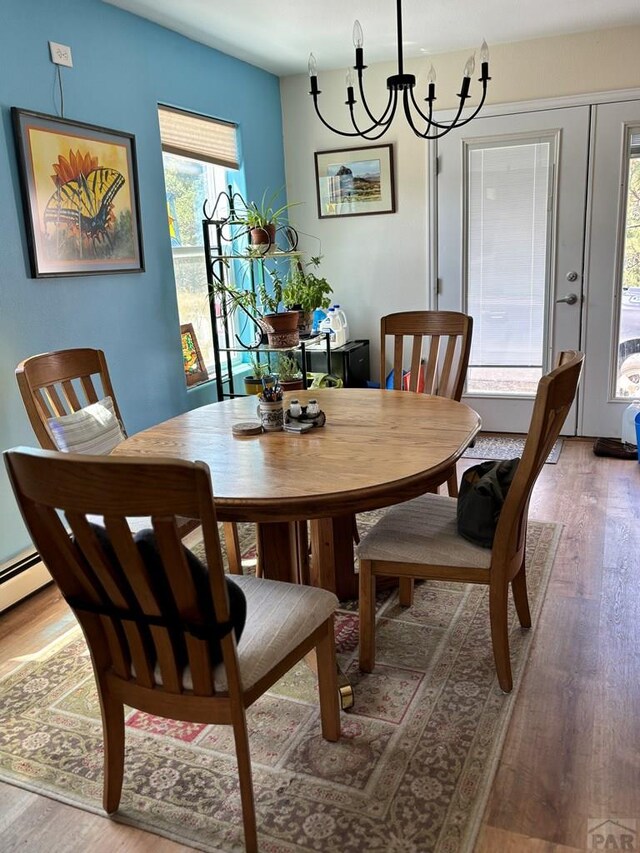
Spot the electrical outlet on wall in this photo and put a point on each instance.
(60, 54)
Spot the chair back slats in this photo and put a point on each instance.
(112, 576)
(555, 396)
(153, 619)
(430, 378)
(90, 389)
(446, 386)
(440, 341)
(70, 395)
(59, 383)
(184, 593)
(416, 360)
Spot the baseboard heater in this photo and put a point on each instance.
(22, 564)
(25, 574)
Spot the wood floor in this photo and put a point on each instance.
(572, 752)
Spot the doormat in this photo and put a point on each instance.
(505, 447)
(412, 770)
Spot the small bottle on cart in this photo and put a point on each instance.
(313, 408)
(295, 409)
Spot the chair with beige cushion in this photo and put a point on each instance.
(419, 539)
(151, 642)
(61, 392)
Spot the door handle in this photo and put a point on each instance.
(570, 299)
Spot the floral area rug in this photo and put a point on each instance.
(410, 774)
(505, 447)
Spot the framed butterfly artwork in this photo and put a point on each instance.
(80, 195)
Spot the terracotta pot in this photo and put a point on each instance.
(305, 323)
(282, 329)
(292, 384)
(265, 235)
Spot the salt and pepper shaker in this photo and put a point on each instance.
(295, 409)
(313, 408)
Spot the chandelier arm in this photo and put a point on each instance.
(329, 126)
(425, 135)
(369, 132)
(376, 121)
(475, 112)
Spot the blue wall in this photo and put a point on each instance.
(123, 67)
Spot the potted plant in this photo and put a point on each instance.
(306, 291)
(264, 306)
(253, 383)
(280, 324)
(262, 219)
(288, 371)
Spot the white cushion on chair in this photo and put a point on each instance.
(95, 429)
(422, 531)
(279, 617)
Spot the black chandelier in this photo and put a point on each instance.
(405, 83)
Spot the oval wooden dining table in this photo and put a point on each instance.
(377, 448)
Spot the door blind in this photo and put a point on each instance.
(508, 242)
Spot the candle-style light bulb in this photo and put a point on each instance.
(431, 77)
(349, 78)
(313, 66)
(470, 66)
(484, 52)
(358, 36)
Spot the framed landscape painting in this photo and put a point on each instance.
(355, 181)
(80, 195)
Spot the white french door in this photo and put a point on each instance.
(511, 196)
(612, 329)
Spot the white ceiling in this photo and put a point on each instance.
(280, 34)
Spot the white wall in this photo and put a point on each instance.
(378, 264)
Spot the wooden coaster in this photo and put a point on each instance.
(246, 428)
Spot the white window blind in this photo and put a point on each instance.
(191, 135)
(508, 242)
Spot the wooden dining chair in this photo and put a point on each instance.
(150, 628)
(419, 539)
(440, 347)
(55, 384)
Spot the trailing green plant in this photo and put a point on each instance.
(305, 288)
(287, 367)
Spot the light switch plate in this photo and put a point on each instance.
(60, 54)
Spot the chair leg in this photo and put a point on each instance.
(500, 634)
(452, 483)
(328, 683)
(243, 758)
(405, 592)
(355, 532)
(113, 735)
(232, 541)
(367, 613)
(520, 598)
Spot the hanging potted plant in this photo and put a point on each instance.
(305, 291)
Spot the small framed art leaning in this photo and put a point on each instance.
(195, 370)
(355, 181)
(80, 195)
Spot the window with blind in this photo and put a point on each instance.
(198, 154)
(508, 247)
